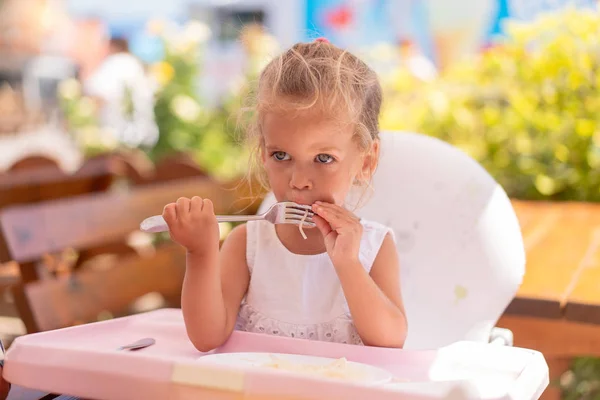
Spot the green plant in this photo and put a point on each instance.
(582, 381)
(527, 109)
(81, 117)
(185, 123)
(179, 110)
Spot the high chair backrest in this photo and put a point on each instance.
(461, 251)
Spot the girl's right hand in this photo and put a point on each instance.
(193, 224)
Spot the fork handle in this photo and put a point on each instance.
(157, 223)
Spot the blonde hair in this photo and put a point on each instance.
(316, 76)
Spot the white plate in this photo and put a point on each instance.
(317, 367)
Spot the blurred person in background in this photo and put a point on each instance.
(125, 96)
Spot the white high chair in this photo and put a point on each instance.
(461, 251)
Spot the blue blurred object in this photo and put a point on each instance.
(146, 47)
(497, 29)
(125, 9)
(390, 20)
(369, 22)
(125, 27)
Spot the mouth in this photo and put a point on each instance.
(309, 202)
(301, 202)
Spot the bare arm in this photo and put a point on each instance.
(213, 289)
(374, 300)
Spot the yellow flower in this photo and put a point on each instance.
(185, 108)
(196, 32)
(156, 26)
(163, 72)
(94, 137)
(86, 107)
(257, 42)
(181, 46)
(383, 52)
(69, 89)
(546, 185)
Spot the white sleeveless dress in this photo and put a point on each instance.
(299, 295)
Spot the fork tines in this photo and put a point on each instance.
(298, 209)
(295, 212)
(291, 204)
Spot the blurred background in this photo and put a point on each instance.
(177, 73)
(129, 95)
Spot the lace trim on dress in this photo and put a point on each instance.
(339, 330)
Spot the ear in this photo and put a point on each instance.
(369, 164)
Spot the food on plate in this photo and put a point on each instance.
(339, 368)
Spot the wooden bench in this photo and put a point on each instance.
(39, 140)
(89, 221)
(34, 161)
(90, 295)
(557, 309)
(37, 178)
(173, 167)
(30, 185)
(177, 166)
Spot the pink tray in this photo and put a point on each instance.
(83, 361)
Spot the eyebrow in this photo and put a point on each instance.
(328, 149)
(325, 149)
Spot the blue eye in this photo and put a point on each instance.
(324, 159)
(280, 155)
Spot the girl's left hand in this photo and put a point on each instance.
(341, 230)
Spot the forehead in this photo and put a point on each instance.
(307, 127)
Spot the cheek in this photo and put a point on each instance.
(270, 170)
(349, 171)
(335, 183)
(276, 172)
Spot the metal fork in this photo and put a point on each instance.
(285, 212)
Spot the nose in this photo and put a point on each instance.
(300, 179)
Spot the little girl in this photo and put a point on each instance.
(316, 137)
